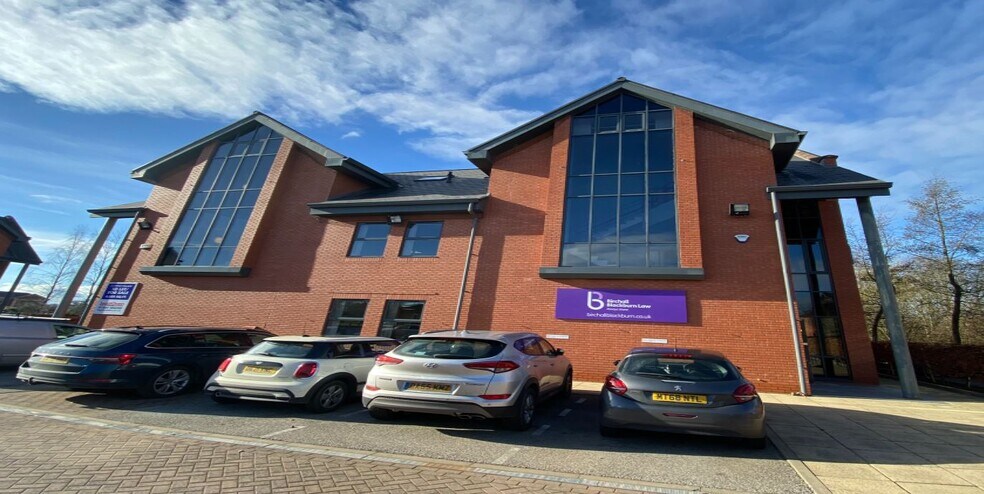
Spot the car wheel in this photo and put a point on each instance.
(328, 396)
(225, 400)
(567, 388)
(167, 382)
(524, 412)
(381, 414)
(756, 443)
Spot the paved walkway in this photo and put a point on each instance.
(57, 453)
(867, 439)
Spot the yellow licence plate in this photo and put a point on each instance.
(434, 388)
(53, 360)
(679, 398)
(263, 371)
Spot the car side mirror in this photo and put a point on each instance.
(616, 362)
(558, 351)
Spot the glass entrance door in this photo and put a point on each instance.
(814, 290)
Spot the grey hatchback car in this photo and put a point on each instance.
(683, 391)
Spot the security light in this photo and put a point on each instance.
(395, 219)
(144, 224)
(740, 209)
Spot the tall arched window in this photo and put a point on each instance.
(620, 208)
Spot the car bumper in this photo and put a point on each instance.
(101, 380)
(460, 409)
(253, 393)
(746, 420)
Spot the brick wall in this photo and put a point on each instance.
(739, 308)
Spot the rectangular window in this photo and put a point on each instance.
(345, 317)
(369, 240)
(422, 239)
(401, 318)
(216, 215)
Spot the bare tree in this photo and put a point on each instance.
(944, 232)
(101, 264)
(897, 267)
(61, 264)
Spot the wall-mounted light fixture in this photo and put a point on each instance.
(144, 224)
(740, 209)
(395, 219)
(741, 238)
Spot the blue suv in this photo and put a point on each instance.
(156, 362)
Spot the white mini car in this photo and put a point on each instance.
(320, 372)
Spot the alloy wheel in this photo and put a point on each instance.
(172, 382)
(332, 396)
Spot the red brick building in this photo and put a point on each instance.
(628, 217)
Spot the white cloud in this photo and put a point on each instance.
(352, 134)
(52, 199)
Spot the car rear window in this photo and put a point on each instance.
(288, 349)
(100, 340)
(450, 348)
(687, 369)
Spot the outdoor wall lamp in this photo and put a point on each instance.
(740, 209)
(144, 224)
(395, 219)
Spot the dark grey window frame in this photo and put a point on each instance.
(406, 236)
(331, 318)
(386, 308)
(216, 168)
(355, 237)
(646, 193)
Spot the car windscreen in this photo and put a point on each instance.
(100, 340)
(288, 349)
(693, 368)
(450, 348)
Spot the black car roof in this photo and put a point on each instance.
(179, 329)
(676, 351)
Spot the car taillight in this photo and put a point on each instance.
(123, 359)
(370, 387)
(744, 393)
(494, 367)
(615, 385)
(494, 397)
(675, 355)
(387, 360)
(224, 365)
(307, 369)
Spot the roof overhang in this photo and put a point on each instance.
(783, 141)
(832, 191)
(154, 170)
(458, 205)
(19, 250)
(128, 210)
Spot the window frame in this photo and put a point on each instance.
(332, 309)
(406, 237)
(394, 320)
(355, 238)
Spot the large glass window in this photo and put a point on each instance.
(401, 318)
(620, 207)
(213, 222)
(422, 239)
(369, 240)
(345, 317)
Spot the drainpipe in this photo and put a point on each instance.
(464, 275)
(797, 347)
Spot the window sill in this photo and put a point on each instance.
(606, 273)
(233, 271)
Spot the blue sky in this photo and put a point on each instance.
(90, 90)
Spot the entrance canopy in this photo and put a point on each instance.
(806, 179)
(20, 250)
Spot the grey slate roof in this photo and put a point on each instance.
(20, 250)
(118, 211)
(803, 177)
(466, 186)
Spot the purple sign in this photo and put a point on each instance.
(622, 305)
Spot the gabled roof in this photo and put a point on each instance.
(20, 250)
(151, 172)
(782, 140)
(416, 192)
(807, 179)
(127, 210)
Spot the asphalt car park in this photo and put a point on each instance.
(565, 437)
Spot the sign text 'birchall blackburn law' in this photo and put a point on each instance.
(622, 305)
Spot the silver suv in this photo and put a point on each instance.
(468, 374)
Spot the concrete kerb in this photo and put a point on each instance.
(499, 470)
(798, 466)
